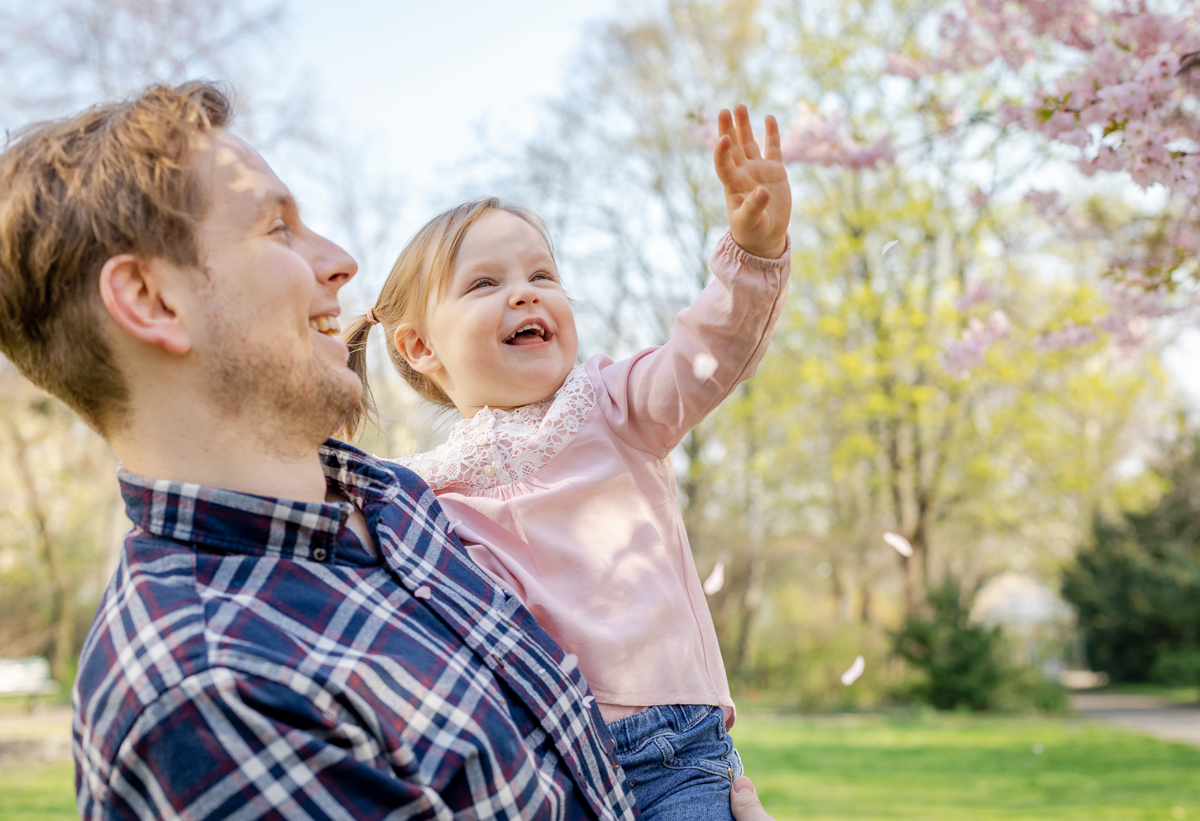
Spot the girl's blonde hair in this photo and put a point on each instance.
(422, 271)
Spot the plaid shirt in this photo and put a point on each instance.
(253, 659)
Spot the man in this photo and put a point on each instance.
(292, 631)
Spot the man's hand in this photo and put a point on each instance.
(758, 197)
(743, 800)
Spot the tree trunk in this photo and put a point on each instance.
(62, 602)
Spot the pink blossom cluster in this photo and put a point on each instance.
(815, 140)
(1135, 302)
(1127, 325)
(1129, 106)
(1072, 336)
(975, 293)
(702, 132)
(1127, 333)
(966, 353)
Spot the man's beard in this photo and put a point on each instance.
(295, 403)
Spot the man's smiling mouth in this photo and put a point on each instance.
(528, 334)
(327, 325)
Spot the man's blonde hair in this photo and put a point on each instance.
(115, 179)
(420, 277)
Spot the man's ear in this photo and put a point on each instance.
(414, 349)
(137, 293)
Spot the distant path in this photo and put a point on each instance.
(1145, 714)
(44, 736)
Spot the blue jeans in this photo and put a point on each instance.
(679, 761)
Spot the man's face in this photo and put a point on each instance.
(268, 332)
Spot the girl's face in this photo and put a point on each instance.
(503, 334)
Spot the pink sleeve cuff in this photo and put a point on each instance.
(739, 255)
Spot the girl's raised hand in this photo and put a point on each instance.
(757, 195)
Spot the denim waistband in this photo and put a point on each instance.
(631, 732)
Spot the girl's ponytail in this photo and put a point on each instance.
(355, 338)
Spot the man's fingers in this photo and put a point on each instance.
(744, 802)
(741, 119)
(774, 148)
(723, 160)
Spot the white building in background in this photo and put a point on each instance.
(1040, 625)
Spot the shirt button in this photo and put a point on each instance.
(481, 439)
(320, 554)
(489, 470)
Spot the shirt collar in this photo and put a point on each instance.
(258, 525)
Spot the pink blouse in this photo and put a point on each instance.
(570, 503)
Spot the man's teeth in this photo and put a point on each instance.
(530, 326)
(327, 325)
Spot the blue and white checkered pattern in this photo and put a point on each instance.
(252, 659)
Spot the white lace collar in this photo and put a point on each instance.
(497, 447)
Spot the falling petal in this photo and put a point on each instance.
(715, 580)
(423, 592)
(587, 701)
(891, 245)
(1038, 749)
(856, 670)
(570, 662)
(902, 545)
(704, 366)
(1178, 812)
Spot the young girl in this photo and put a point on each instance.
(558, 480)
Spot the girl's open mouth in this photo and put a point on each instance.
(531, 333)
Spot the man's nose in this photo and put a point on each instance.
(331, 263)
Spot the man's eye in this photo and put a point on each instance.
(280, 227)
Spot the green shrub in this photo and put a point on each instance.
(964, 664)
(962, 661)
(1177, 667)
(1026, 687)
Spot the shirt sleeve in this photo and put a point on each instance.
(224, 744)
(654, 398)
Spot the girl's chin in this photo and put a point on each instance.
(535, 384)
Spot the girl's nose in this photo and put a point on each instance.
(523, 296)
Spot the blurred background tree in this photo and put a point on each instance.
(1136, 583)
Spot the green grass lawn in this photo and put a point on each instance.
(880, 767)
(37, 792)
(964, 767)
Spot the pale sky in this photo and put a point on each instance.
(418, 77)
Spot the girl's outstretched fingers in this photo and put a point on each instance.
(745, 133)
(744, 802)
(758, 198)
(774, 146)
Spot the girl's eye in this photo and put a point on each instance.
(479, 283)
(542, 275)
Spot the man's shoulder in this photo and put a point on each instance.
(349, 466)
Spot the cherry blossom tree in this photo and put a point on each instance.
(1111, 87)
